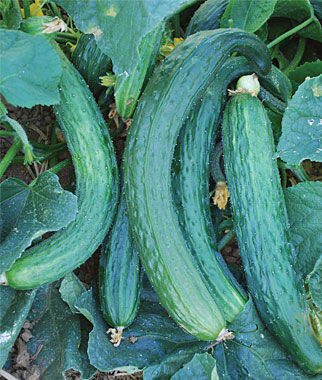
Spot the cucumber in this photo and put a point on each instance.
(96, 170)
(174, 273)
(128, 87)
(119, 276)
(91, 62)
(192, 160)
(262, 229)
(207, 16)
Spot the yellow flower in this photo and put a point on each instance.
(108, 80)
(35, 10)
(221, 195)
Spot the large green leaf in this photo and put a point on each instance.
(30, 69)
(128, 32)
(253, 353)
(28, 211)
(201, 367)
(147, 341)
(248, 15)
(61, 335)
(14, 308)
(299, 11)
(308, 69)
(301, 124)
(304, 208)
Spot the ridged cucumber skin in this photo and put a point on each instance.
(119, 273)
(128, 87)
(170, 94)
(191, 185)
(91, 62)
(96, 171)
(262, 229)
(207, 16)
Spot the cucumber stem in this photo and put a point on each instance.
(7, 133)
(290, 32)
(29, 158)
(26, 8)
(60, 166)
(176, 21)
(226, 239)
(11, 153)
(297, 57)
(297, 170)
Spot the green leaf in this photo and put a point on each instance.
(28, 211)
(301, 124)
(201, 367)
(308, 69)
(253, 353)
(170, 364)
(299, 11)
(304, 209)
(151, 337)
(30, 69)
(70, 290)
(11, 15)
(61, 334)
(248, 15)
(132, 50)
(315, 283)
(14, 308)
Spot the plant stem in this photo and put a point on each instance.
(297, 57)
(284, 178)
(297, 170)
(226, 239)
(290, 32)
(26, 8)
(9, 156)
(61, 165)
(55, 9)
(176, 20)
(7, 133)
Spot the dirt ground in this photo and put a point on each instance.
(39, 123)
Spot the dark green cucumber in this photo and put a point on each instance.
(207, 16)
(262, 229)
(91, 62)
(191, 172)
(119, 273)
(128, 87)
(171, 267)
(96, 170)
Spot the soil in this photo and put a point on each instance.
(39, 123)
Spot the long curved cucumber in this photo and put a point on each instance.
(96, 170)
(262, 229)
(119, 275)
(191, 185)
(172, 270)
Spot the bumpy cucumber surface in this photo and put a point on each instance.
(261, 226)
(207, 16)
(191, 185)
(128, 87)
(90, 62)
(96, 171)
(119, 273)
(170, 94)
